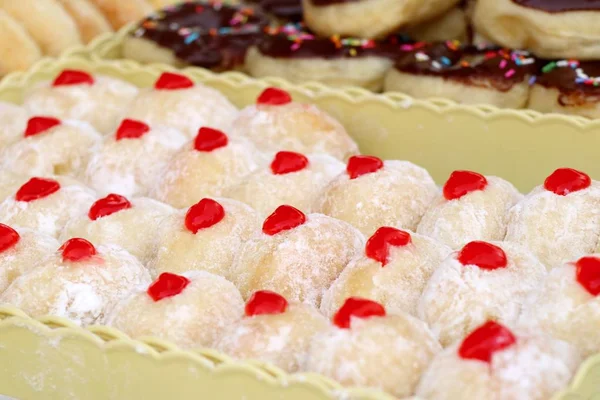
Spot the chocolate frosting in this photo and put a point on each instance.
(556, 6)
(289, 10)
(571, 77)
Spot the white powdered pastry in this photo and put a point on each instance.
(13, 121)
(535, 368)
(397, 285)
(194, 318)
(557, 228)
(396, 195)
(265, 190)
(210, 249)
(300, 263)
(184, 109)
(61, 150)
(458, 297)
(295, 127)
(83, 291)
(563, 308)
(280, 339)
(31, 249)
(192, 175)
(49, 214)
(478, 215)
(102, 104)
(388, 353)
(136, 229)
(10, 182)
(129, 167)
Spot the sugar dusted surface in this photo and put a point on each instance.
(10, 182)
(13, 121)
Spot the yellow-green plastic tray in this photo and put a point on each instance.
(51, 358)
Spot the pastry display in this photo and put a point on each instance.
(13, 121)
(482, 281)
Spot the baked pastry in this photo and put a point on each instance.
(89, 19)
(494, 363)
(374, 193)
(18, 50)
(465, 74)
(470, 207)
(206, 166)
(74, 94)
(13, 121)
(568, 87)
(369, 18)
(129, 161)
(20, 250)
(273, 331)
(367, 347)
(190, 310)
(132, 224)
(10, 182)
(454, 24)
(560, 220)
(550, 29)
(566, 305)
(46, 204)
(291, 178)
(177, 102)
(277, 123)
(205, 237)
(79, 281)
(120, 13)
(50, 146)
(393, 270)
(482, 281)
(296, 255)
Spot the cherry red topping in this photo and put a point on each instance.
(274, 97)
(131, 129)
(209, 139)
(8, 237)
(378, 245)
(484, 255)
(167, 285)
(283, 218)
(36, 188)
(288, 161)
(204, 214)
(461, 183)
(37, 125)
(171, 81)
(266, 302)
(108, 205)
(358, 308)
(483, 342)
(362, 165)
(567, 180)
(588, 274)
(73, 77)
(77, 249)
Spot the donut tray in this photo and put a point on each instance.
(51, 358)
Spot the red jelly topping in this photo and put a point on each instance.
(288, 161)
(131, 129)
(378, 245)
(362, 165)
(204, 214)
(73, 77)
(274, 97)
(283, 218)
(77, 249)
(266, 302)
(8, 237)
(209, 139)
(484, 255)
(167, 285)
(37, 188)
(357, 308)
(484, 341)
(171, 81)
(566, 180)
(37, 125)
(108, 205)
(588, 274)
(461, 183)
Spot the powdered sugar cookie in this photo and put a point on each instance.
(18, 50)
(13, 121)
(10, 182)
